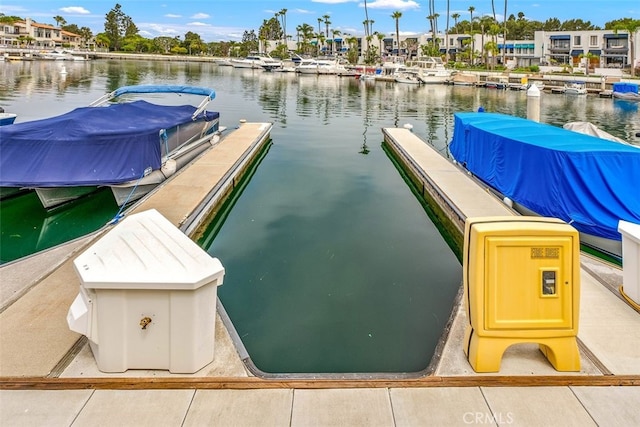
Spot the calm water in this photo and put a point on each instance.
(332, 264)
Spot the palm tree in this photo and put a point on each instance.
(504, 36)
(326, 28)
(334, 33)
(60, 20)
(283, 13)
(446, 35)
(397, 15)
(455, 17)
(326, 24)
(473, 44)
(380, 39)
(366, 16)
(632, 26)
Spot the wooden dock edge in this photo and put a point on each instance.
(204, 383)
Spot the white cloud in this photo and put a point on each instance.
(392, 4)
(200, 16)
(155, 30)
(198, 24)
(172, 15)
(11, 10)
(75, 10)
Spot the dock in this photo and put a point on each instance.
(48, 375)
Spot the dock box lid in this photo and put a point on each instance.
(146, 251)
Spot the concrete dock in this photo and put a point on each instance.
(48, 375)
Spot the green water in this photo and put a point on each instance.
(26, 227)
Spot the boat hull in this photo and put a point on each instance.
(52, 197)
(7, 118)
(131, 191)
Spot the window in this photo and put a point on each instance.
(593, 41)
(577, 41)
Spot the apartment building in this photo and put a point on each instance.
(602, 48)
(33, 35)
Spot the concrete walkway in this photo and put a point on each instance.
(49, 377)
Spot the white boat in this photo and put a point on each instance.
(7, 118)
(575, 88)
(367, 77)
(627, 96)
(408, 76)
(323, 67)
(430, 69)
(256, 61)
(61, 55)
(589, 128)
(392, 64)
(463, 79)
(223, 62)
(497, 82)
(119, 141)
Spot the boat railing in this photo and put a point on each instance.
(208, 93)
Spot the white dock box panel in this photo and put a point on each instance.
(630, 259)
(147, 298)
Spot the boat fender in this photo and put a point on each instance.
(168, 168)
(507, 201)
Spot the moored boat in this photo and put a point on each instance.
(7, 118)
(497, 82)
(575, 88)
(324, 67)
(584, 180)
(256, 61)
(626, 91)
(132, 145)
(407, 76)
(429, 69)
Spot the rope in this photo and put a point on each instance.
(165, 140)
(118, 216)
(628, 299)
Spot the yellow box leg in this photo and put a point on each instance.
(485, 353)
(562, 353)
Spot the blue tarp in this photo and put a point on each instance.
(587, 181)
(624, 87)
(89, 145)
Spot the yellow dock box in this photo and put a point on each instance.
(521, 284)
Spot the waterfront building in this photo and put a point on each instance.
(600, 48)
(29, 33)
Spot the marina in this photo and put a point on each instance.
(423, 152)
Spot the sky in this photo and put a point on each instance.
(225, 20)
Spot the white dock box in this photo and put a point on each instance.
(630, 259)
(147, 298)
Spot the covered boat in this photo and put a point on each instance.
(626, 91)
(119, 144)
(584, 180)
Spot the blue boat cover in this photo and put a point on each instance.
(589, 182)
(89, 145)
